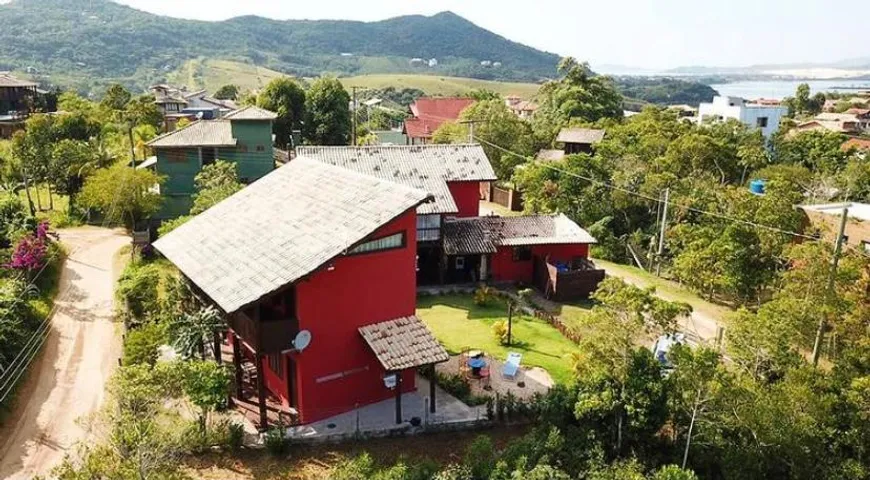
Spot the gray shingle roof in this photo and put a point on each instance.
(251, 113)
(403, 343)
(7, 80)
(550, 155)
(281, 228)
(204, 133)
(479, 235)
(427, 167)
(580, 135)
(466, 237)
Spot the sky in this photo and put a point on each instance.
(652, 34)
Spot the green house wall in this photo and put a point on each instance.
(252, 155)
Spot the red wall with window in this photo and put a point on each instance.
(467, 197)
(505, 269)
(339, 372)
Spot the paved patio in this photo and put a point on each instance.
(380, 418)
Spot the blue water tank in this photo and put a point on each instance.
(757, 187)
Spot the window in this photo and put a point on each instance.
(261, 148)
(428, 228)
(242, 148)
(176, 156)
(386, 243)
(276, 364)
(761, 122)
(522, 254)
(460, 263)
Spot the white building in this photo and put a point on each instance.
(754, 115)
(433, 62)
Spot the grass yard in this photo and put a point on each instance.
(442, 86)
(212, 74)
(457, 322)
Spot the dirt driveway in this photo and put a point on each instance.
(81, 351)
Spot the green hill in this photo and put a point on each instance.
(88, 43)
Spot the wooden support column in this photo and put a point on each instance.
(398, 397)
(237, 364)
(261, 393)
(432, 384)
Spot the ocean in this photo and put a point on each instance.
(778, 89)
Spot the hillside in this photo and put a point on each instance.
(87, 43)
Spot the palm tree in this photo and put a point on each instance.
(191, 331)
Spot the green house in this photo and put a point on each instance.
(243, 137)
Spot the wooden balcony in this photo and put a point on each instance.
(265, 336)
(561, 283)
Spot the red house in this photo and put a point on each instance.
(321, 253)
(429, 113)
(550, 252)
(451, 173)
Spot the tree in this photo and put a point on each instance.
(116, 98)
(71, 162)
(227, 92)
(122, 194)
(327, 113)
(142, 111)
(696, 382)
(207, 385)
(213, 184)
(579, 95)
(616, 379)
(496, 125)
(287, 99)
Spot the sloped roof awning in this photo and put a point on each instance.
(403, 343)
(580, 135)
(482, 235)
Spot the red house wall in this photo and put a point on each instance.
(339, 371)
(505, 269)
(467, 197)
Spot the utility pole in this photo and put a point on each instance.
(661, 250)
(830, 291)
(353, 114)
(470, 124)
(132, 146)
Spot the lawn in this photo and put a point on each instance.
(212, 74)
(457, 322)
(441, 86)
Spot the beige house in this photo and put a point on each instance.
(824, 219)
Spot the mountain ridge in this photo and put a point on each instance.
(93, 42)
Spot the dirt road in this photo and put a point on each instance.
(706, 317)
(81, 351)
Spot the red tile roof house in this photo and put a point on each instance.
(317, 248)
(429, 113)
(455, 244)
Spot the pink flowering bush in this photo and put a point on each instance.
(31, 250)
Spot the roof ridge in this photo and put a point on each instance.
(354, 173)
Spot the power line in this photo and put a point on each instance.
(646, 197)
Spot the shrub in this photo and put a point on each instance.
(137, 289)
(480, 457)
(455, 385)
(275, 441)
(500, 331)
(171, 225)
(484, 295)
(235, 436)
(454, 472)
(141, 344)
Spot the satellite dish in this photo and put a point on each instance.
(302, 340)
